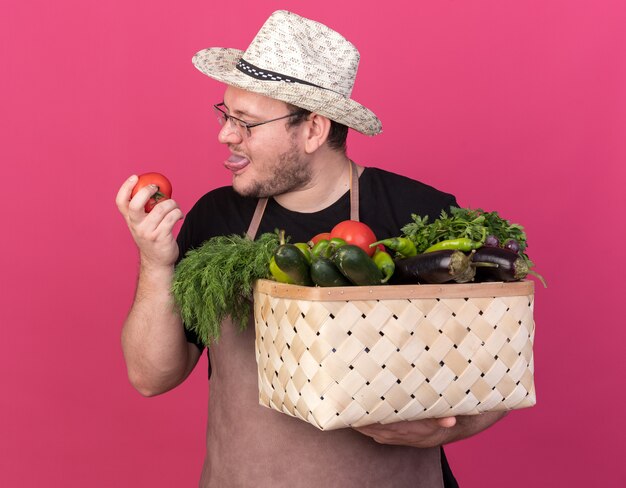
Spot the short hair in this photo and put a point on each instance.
(337, 136)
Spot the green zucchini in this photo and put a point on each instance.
(278, 274)
(357, 266)
(325, 273)
(305, 250)
(294, 264)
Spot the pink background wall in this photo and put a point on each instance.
(518, 107)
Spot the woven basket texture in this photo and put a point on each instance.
(353, 356)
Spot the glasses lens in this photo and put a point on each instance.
(221, 116)
(239, 125)
(243, 128)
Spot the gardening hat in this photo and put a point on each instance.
(298, 61)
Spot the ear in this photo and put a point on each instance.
(318, 128)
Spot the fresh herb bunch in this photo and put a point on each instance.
(463, 222)
(216, 279)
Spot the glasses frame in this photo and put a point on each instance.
(224, 117)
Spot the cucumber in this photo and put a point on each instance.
(294, 264)
(325, 273)
(357, 266)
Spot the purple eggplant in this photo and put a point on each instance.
(509, 266)
(434, 267)
(492, 241)
(498, 264)
(512, 245)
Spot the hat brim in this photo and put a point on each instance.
(219, 64)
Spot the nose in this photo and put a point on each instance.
(229, 134)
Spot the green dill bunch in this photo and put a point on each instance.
(215, 280)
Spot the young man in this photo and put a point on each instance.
(285, 116)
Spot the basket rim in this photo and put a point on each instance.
(395, 292)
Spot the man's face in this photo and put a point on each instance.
(271, 160)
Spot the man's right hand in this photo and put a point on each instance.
(158, 356)
(152, 232)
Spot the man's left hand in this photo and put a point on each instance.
(430, 432)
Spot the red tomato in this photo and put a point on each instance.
(357, 234)
(320, 237)
(163, 193)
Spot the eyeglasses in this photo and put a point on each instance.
(223, 117)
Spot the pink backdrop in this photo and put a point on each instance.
(518, 107)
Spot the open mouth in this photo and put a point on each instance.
(236, 163)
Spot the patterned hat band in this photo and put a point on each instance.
(267, 75)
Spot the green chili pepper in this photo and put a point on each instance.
(460, 244)
(319, 249)
(337, 242)
(401, 245)
(385, 264)
(326, 248)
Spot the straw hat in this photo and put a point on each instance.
(298, 61)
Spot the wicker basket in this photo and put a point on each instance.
(352, 356)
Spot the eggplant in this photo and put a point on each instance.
(510, 266)
(492, 241)
(512, 245)
(434, 267)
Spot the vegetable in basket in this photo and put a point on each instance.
(321, 236)
(215, 280)
(403, 246)
(460, 223)
(459, 244)
(474, 230)
(508, 265)
(325, 273)
(357, 266)
(435, 267)
(326, 247)
(305, 250)
(355, 233)
(385, 264)
(278, 274)
(291, 261)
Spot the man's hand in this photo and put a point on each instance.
(152, 232)
(158, 356)
(430, 432)
(417, 433)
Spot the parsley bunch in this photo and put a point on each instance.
(463, 222)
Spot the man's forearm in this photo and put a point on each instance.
(157, 354)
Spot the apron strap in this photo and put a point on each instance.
(354, 192)
(354, 203)
(256, 218)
